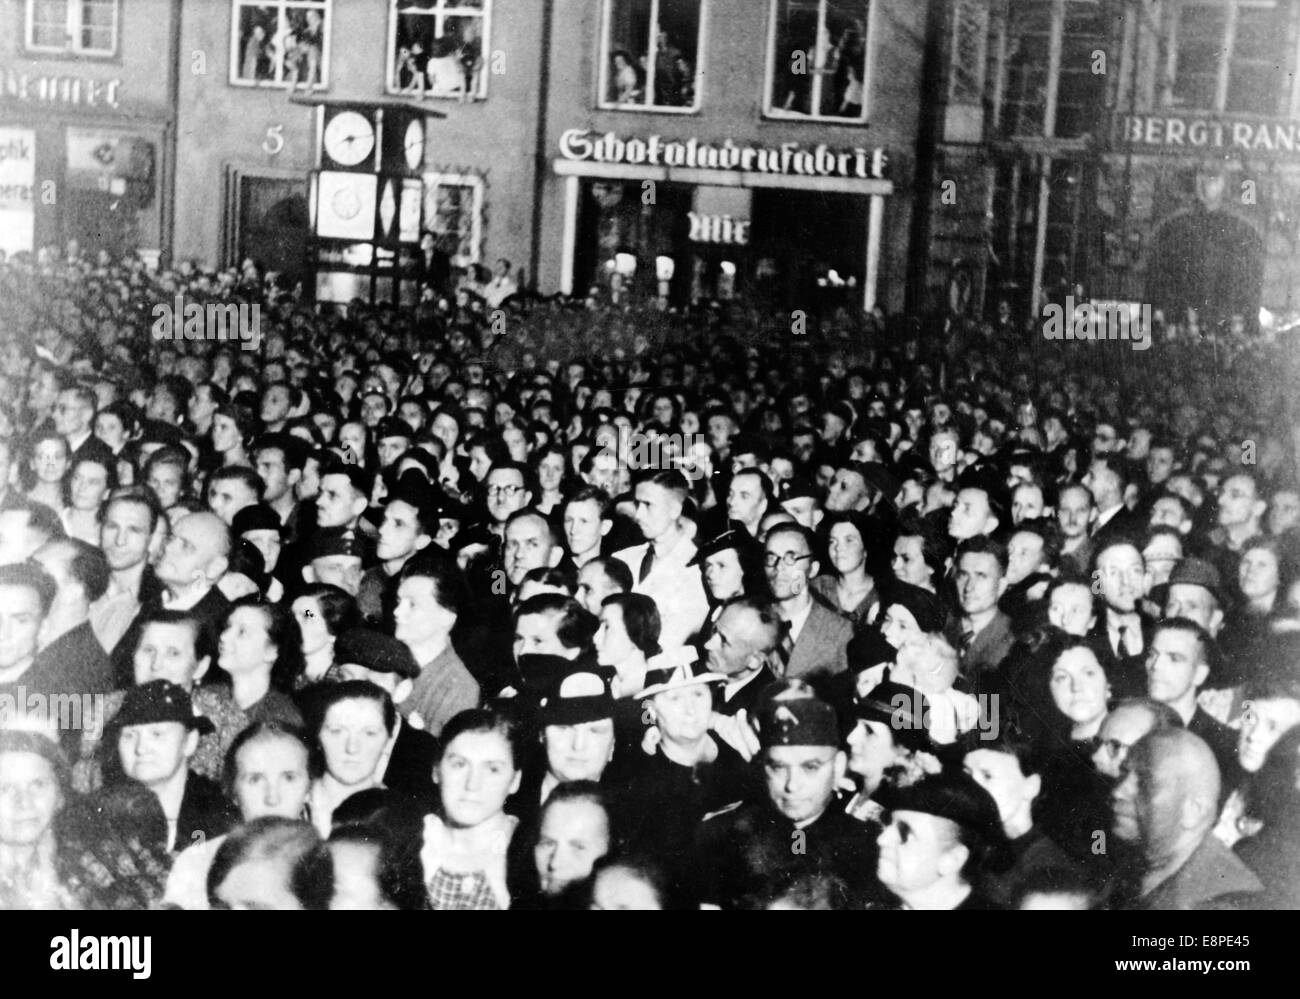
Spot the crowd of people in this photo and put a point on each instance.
(565, 605)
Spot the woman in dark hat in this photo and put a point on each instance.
(690, 772)
(939, 835)
(889, 746)
(731, 565)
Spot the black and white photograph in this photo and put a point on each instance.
(652, 454)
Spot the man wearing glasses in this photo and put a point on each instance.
(817, 638)
(1128, 722)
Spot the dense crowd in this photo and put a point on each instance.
(547, 603)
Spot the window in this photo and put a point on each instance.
(281, 43)
(818, 60)
(970, 28)
(82, 27)
(1083, 30)
(650, 54)
(1230, 55)
(453, 212)
(436, 48)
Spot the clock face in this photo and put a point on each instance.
(346, 205)
(413, 144)
(349, 138)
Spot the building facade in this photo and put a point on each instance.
(86, 123)
(1119, 151)
(694, 148)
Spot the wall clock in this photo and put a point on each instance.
(349, 139)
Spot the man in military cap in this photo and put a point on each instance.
(795, 825)
(336, 559)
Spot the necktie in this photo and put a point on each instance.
(966, 638)
(1122, 649)
(785, 649)
(647, 563)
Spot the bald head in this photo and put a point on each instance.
(1167, 800)
(197, 552)
(1187, 759)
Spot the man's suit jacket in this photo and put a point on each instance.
(1127, 674)
(1212, 878)
(988, 647)
(822, 645)
(1079, 561)
(1223, 744)
(676, 588)
(746, 698)
(410, 765)
(1125, 525)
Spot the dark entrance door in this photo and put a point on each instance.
(1210, 262)
(274, 226)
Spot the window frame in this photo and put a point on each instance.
(390, 54)
(868, 66)
(1223, 71)
(433, 179)
(604, 52)
(281, 6)
(74, 25)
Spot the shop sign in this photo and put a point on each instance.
(1193, 132)
(75, 91)
(788, 159)
(17, 189)
(718, 229)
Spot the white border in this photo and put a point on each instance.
(602, 61)
(433, 180)
(868, 71)
(327, 37)
(391, 52)
(73, 26)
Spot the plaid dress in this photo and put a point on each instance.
(481, 888)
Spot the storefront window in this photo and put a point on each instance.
(1228, 56)
(280, 44)
(84, 27)
(651, 54)
(453, 213)
(436, 48)
(818, 64)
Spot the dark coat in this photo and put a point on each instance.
(739, 853)
(205, 813)
(410, 765)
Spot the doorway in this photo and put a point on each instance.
(1208, 261)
